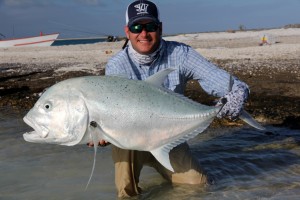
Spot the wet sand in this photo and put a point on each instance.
(272, 71)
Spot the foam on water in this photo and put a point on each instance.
(244, 164)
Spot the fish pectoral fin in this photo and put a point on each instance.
(162, 155)
(95, 138)
(158, 78)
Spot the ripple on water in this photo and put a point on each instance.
(245, 164)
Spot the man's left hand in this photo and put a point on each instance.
(233, 102)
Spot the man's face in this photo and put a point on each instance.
(144, 42)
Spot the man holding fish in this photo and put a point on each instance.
(146, 54)
(136, 108)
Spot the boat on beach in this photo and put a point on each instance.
(41, 40)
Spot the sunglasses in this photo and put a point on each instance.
(149, 27)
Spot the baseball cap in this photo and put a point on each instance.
(140, 10)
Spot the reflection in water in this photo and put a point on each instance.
(244, 163)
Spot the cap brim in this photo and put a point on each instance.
(133, 21)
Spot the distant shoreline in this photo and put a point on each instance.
(238, 30)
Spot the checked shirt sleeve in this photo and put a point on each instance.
(113, 69)
(117, 65)
(214, 80)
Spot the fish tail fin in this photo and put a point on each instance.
(246, 117)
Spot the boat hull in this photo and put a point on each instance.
(43, 40)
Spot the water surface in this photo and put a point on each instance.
(245, 164)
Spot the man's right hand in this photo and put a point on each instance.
(102, 143)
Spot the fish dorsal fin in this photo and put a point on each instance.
(158, 78)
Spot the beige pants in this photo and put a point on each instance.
(128, 165)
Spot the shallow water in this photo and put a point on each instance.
(245, 164)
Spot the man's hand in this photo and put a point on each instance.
(233, 102)
(102, 143)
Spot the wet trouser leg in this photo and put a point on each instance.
(128, 165)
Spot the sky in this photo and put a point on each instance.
(96, 18)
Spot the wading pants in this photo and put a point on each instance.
(129, 163)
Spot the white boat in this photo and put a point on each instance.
(41, 40)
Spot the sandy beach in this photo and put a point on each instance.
(272, 71)
(218, 45)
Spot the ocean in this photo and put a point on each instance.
(244, 163)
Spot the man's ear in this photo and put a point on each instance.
(126, 30)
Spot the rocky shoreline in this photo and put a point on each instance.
(274, 95)
(274, 81)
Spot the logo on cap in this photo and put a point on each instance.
(141, 8)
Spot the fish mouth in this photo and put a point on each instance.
(35, 138)
(39, 134)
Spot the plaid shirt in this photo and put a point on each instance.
(188, 64)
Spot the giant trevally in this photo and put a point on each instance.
(131, 114)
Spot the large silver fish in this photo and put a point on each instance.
(131, 114)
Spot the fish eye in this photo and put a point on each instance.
(47, 106)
